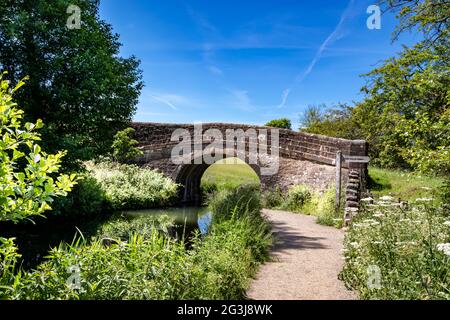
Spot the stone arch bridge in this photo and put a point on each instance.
(303, 158)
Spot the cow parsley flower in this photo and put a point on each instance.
(444, 247)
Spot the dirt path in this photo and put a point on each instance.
(307, 261)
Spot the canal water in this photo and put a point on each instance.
(186, 219)
(35, 239)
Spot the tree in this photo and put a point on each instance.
(79, 86)
(430, 17)
(124, 147)
(405, 112)
(334, 122)
(405, 93)
(282, 123)
(27, 191)
(28, 188)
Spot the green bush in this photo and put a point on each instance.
(410, 248)
(283, 123)
(87, 199)
(300, 199)
(273, 199)
(297, 197)
(131, 187)
(227, 204)
(124, 147)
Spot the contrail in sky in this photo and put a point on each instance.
(329, 40)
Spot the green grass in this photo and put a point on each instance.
(402, 184)
(229, 173)
(300, 199)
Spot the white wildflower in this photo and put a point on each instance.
(444, 247)
(424, 199)
(447, 223)
(354, 244)
(378, 215)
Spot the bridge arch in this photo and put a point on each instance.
(189, 177)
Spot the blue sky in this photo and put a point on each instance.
(248, 61)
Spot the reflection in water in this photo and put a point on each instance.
(186, 219)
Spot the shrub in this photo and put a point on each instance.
(282, 123)
(131, 187)
(300, 199)
(273, 199)
(26, 190)
(124, 147)
(86, 200)
(297, 197)
(326, 209)
(409, 249)
(227, 204)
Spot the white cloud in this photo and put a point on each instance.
(284, 96)
(242, 100)
(329, 40)
(215, 70)
(171, 100)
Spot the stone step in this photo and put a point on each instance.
(351, 204)
(353, 186)
(351, 197)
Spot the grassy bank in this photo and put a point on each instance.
(399, 253)
(229, 173)
(151, 265)
(403, 184)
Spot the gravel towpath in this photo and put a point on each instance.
(307, 259)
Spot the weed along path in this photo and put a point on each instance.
(307, 259)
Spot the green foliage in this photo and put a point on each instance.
(299, 198)
(244, 200)
(25, 190)
(79, 84)
(402, 184)
(86, 200)
(428, 16)
(131, 187)
(124, 146)
(404, 116)
(273, 198)
(283, 123)
(334, 122)
(152, 266)
(411, 248)
(405, 113)
(9, 278)
(324, 207)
